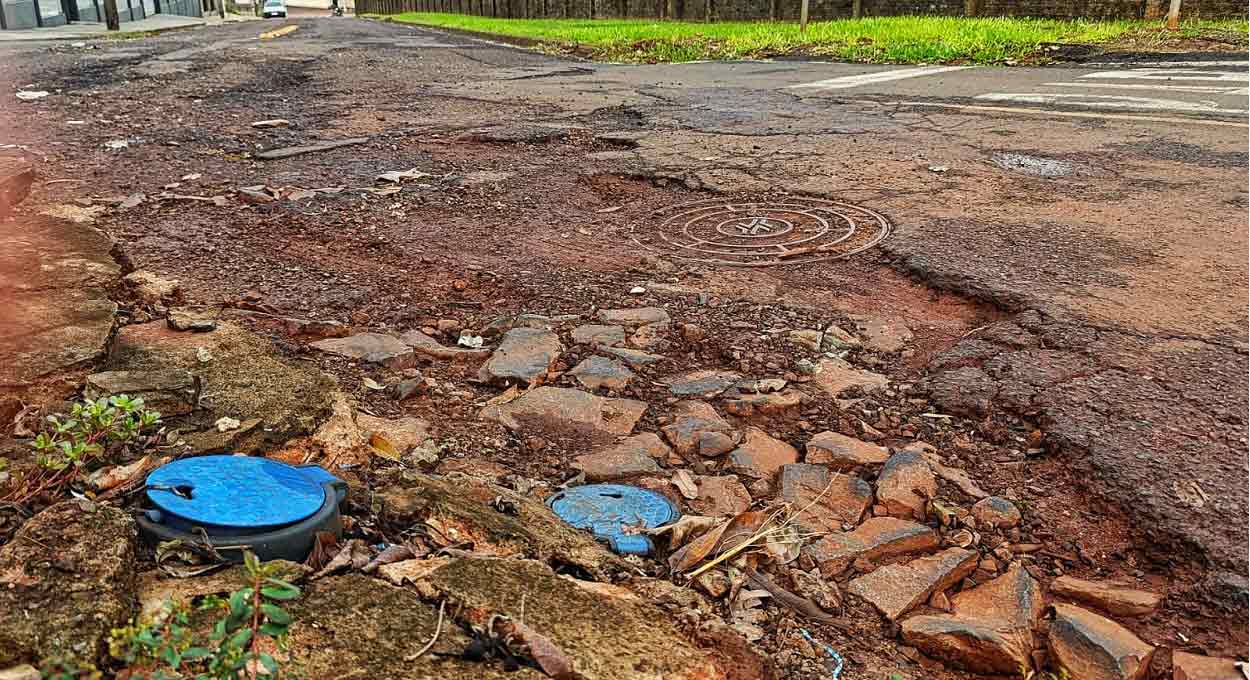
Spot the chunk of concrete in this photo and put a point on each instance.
(876, 538)
(636, 316)
(896, 589)
(1186, 666)
(152, 289)
(631, 457)
(1091, 647)
(824, 500)
(374, 348)
(836, 376)
(840, 452)
(593, 334)
(905, 485)
(57, 276)
(996, 512)
(702, 383)
(991, 630)
(1109, 597)
(171, 392)
(600, 372)
(760, 456)
(360, 625)
(525, 355)
(633, 357)
(558, 409)
(66, 580)
(691, 420)
(605, 637)
(242, 376)
(721, 496)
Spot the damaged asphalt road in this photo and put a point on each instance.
(1072, 276)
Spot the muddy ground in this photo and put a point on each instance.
(1087, 331)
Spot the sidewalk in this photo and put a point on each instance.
(158, 23)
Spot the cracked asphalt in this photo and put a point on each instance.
(1113, 230)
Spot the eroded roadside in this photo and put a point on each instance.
(1022, 322)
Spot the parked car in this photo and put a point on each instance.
(274, 8)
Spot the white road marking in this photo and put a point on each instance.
(1072, 114)
(1209, 89)
(845, 82)
(1109, 101)
(1101, 64)
(1170, 74)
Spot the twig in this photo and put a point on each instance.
(794, 602)
(37, 542)
(438, 628)
(761, 533)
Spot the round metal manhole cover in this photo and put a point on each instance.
(789, 230)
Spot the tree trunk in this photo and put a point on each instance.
(111, 19)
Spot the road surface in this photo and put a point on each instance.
(1099, 210)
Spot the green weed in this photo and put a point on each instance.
(913, 39)
(166, 647)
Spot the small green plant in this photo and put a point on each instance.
(165, 648)
(62, 668)
(89, 429)
(93, 431)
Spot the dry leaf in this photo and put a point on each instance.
(411, 571)
(783, 545)
(684, 481)
(961, 539)
(507, 396)
(323, 547)
(106, 479)
(393, 553)
(399, 176)
(742, 528)
(373, 384)
(698, 549)
(354, 555)
(550, 658)
(685, 529)
(383, 446)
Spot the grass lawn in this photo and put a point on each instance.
(909, 40)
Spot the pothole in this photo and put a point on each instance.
(762, 233)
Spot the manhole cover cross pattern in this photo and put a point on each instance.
(790, 230)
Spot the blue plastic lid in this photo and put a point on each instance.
(606, 509)
(235, 491)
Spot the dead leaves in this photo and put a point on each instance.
(684, 481)
(747, 614)
(723, 539)
(401, 176)
(550, 658)
(356, 555)
(383, 446)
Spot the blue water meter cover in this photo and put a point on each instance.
(607, 509)
(240, 492)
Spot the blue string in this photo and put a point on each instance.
(833, 654)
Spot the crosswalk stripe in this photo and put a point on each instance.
(1051, 113)
(1170, 74)
(1108, 101)
(845, 82)
(1102, 64)
(1209, 89)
